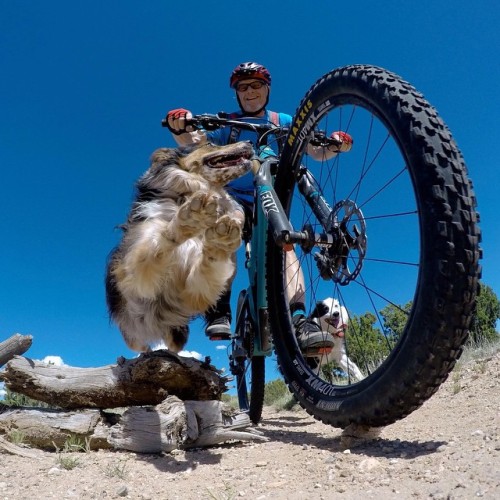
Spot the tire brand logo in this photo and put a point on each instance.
(322, 387)
(298, 123)
(299, 366)
(328, 405)
(295, 131)
(313, 382)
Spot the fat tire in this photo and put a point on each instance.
(448, 279)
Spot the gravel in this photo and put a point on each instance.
(448, 449)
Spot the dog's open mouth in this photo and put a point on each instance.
(225, 161)
(334, 321)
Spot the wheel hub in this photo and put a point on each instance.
(343, 259)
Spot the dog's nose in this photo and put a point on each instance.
(335, 314)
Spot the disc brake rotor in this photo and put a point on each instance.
(335, 261)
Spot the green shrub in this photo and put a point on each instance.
(275, 391)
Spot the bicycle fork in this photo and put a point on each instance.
(282, 231)
(336, 239)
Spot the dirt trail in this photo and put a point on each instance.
(448, 449)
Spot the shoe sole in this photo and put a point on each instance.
(314, 352)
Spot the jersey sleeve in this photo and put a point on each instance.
(285, 120)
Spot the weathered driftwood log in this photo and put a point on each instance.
(46, 427)
(172, 402)
(174, 424)
(145, 380)
(14, 449)
(16, 345)
(180, 424)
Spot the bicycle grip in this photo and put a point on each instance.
(164, 123)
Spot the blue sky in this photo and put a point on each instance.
(85, 85)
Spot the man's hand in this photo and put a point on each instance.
(176, 121)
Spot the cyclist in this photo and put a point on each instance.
(251, 82)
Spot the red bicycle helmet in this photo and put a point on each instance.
(249, 70)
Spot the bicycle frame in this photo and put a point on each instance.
(269, 218)
(266, 203)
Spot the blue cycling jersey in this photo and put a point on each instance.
(242, 187)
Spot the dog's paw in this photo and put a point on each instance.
(140, 271)
(198, 212)
(225, 235)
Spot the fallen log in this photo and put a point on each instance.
(157, 402)
(145, 380)
(16, 345)
(173, 424)
(176, 424)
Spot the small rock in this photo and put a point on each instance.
(368, 464)
(122, 491)
(438, 495)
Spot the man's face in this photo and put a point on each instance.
(252, 94)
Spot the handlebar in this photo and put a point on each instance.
(212, 122)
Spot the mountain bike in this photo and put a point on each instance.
(390, 229)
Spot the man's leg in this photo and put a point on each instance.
(309, 335)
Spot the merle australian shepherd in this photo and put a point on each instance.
(176, 254)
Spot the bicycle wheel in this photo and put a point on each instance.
(405, 264)
(248, 369)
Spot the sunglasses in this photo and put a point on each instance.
(243, 87)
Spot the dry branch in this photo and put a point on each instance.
(16, 345)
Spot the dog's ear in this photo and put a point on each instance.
(320, 309)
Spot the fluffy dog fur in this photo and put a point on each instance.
(334, 319)
(175, 256)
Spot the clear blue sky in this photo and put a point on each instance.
(84, 86)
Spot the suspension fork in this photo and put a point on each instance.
(282, 231)
(273, 211)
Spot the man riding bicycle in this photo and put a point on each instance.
(252, 83)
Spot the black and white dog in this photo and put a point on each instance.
(334, 319)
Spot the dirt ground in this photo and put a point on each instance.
(448, 449)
